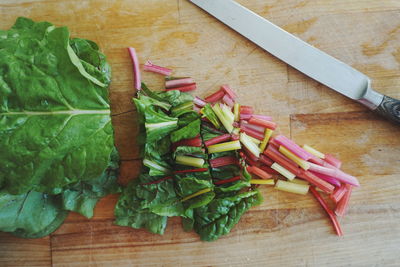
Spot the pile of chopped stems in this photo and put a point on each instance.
(271, 160)
(278, 160)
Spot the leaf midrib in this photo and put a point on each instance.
(59, 112)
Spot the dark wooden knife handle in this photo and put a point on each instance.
(390, 109)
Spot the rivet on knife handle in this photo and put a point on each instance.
(390, 108)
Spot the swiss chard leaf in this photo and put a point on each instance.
(190, 184)
(55, 119)
(197, 152)
(191, 130)
(129, 212)
(159, 197)
(55, 125)
(210, 115)
(83, 196)
(208, 132)
(30, 215)
(222, 214)
(158, 124)
(175, 97)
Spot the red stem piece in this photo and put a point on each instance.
(215, 97)
(191, 170)
(246, 110)
(335, 222)
(223, 161)
(263, 123)
(218, 139)
(158, 181)
(233, 179)
(184, 88)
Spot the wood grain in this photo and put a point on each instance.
(15, 252)
(287, 230)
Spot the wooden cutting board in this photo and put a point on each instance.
(287, 230)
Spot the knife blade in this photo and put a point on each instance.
(302, 56)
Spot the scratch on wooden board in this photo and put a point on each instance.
(91, 244)
(300, 27)
(178, 2)
(370, 50)
(301, 4)
(375, 70)
(396, 55)
(373, 161)
(267, 9)
(172, 38)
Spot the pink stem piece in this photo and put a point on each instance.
(196, 108)
(199, 102)
(228, 100)
(293, 147)
(333, 161)
(215, 97)
(335, 173)
(136, 71)
(178, 82)
(251, 126)
(229, 91)
(327, 178)
(244, 116)
(262, 117)
(149, 66)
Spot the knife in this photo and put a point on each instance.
(302, 56)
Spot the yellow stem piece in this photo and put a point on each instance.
(299, 181)
(262, 181)
(292, 187)
(203, 191)
(283, 171)
(222, 147)
(189, 161)
(267, 136)
(236, 111)
(302, 163)
(314, 151)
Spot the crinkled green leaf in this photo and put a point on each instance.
(175, 97)
(55, 125)
(159, 197)
(83, 196)
(190, 184)
(222, 214)
(210, 115)
(207, 132)
(197, 152)
(181, 109)
(187, 118)
(191, 130)
(128, 212)
(55, 119)
(30, 215)
(158, 124)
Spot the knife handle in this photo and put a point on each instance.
(389, 108)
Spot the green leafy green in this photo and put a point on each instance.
(210, 115)
(129, 212)
(222, 214)
(189, 131)
(83, 196)
(197, 152)
(175, 97)
(30, 215)
(159, 197)
(55, 127)
(182, 109)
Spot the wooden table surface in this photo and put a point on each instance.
(287, 230)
